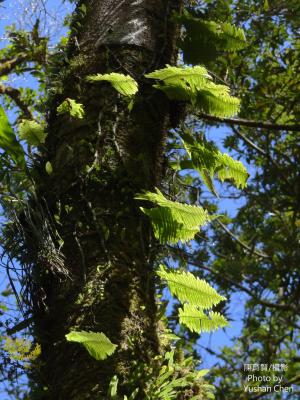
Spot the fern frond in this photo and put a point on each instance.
(191, 289)
(180, 83)
(233, 170)
(207, 177)
(197, 321)
(124, 84)
(203, 156)
(8, 140)
(216, 100)
(173, 221)
(71, 107)
(193, 84)
(166, 229)
(33, 132)
(204, 40)
(190, 78)
(210, 162)
(96, 343)
(231, 37)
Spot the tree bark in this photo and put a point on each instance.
(101, 279)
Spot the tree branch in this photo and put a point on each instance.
(20, 326)
(191, 261)
(7, 65)
(15, 95)
(287, 307)
(250, 123)
(244, 245)
(249, 142)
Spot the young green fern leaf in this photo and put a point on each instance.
(33, 132)
(190, 289)
(231, 37)
(193, 84)
(180, 83)
(197, 321)
(232, 169)
(196, 295)
(124, 84)
(96, 343)
(204, 40)
(8, 141)
(71, 107)
(210, 162)
(173, 221)
(216, 100)
(113, 390)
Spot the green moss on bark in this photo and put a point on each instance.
(99, 164)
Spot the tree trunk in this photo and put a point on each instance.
(102, 278)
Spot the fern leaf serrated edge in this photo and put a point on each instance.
(97, 344)
(197, 321)
(124, 84)
(190, 289)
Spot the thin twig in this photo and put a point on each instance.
(81, 255)
(114, 133)
(15, 95)
(243, 244)
(267, 155)
(7, 65)
(287, 307)
(251, 123)
(11, 282)
(99, 136)
(249, 142)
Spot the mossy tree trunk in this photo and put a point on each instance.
(99, 164)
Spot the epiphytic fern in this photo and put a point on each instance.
(216, 100)
(232, 169)
(124, 84)
(190, 289)
(32, 131)
(113, 390)
(173, 221)
(204, 40)
(210, 162)
(196, 295)
(231, 37)
(8, 141)
(96, 343)
(194, 84)
(180, 83)
(197, 321)
(71, 107)
(169, 378)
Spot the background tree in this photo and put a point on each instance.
(256, 252)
